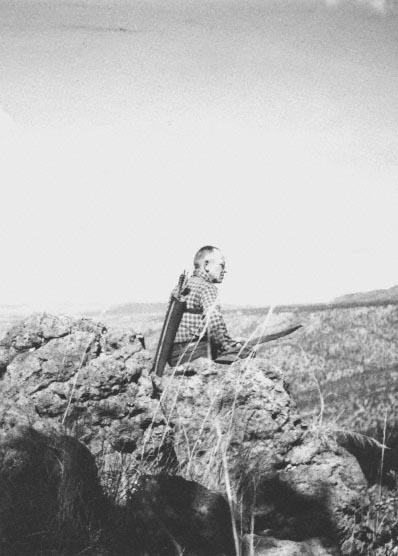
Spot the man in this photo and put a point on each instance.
(202, 331)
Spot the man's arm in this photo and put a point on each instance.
(214, 320)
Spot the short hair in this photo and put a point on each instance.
(202, 254)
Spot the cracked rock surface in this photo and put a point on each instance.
(78, 377)
(227, 427)
(239, 425)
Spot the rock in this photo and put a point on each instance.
(237, 427)
(171, 515)
(50, 493)
(255, 545)
(76, 376)
(31, 334)
(232, 429)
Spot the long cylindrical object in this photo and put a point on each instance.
(235, 353)
(270, 337)
(169, 330)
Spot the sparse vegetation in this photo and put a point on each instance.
(342, 371)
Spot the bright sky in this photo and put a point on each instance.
(134, 132)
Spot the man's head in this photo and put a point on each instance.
(210, 260)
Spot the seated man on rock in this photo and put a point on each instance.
(202, 331)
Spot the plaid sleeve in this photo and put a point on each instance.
(214, 321)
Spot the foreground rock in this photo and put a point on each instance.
(50, 493)
(51, 504)
(268, 546)
(170, 515)
(231, 429)
(75, 376)
(245, 435)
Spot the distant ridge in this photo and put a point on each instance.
(11, 313)
(137, 308)
(374, 296)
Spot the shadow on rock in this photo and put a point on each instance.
(170, 515)
(50, 494)
(289, 514)
(51, 503)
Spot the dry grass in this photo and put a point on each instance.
(376, 532)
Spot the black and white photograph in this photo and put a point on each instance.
(199, 278)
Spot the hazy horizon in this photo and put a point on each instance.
(99, 307)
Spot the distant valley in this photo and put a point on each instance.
(140, 315)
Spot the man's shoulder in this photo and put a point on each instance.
(202, 290)
(200, 283)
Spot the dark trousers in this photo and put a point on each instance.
(183, 352)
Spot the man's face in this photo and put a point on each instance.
(214, 265)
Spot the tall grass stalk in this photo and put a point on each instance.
(383, 453)
(228, 488)
(89, 344)
(202, 426)
(318, 387)
(252, 523)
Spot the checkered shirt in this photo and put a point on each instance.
(202, 317)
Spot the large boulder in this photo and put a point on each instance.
(170, 516)
(77, 377)
(50, 493)
(237, 431)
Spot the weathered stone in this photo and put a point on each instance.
(75, 376)
(228, 428)
(50, 493)
(170, 512)
(254, 545)
(238, 426)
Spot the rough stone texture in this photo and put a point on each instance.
(234, 429)
(173, 516)
(246, 432)
(77, 377)
(269, 546)
(50, 493)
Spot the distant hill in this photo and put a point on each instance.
(9, 314)
(150, 308)
(378, 296)
(137, 308)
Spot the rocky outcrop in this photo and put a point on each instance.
(237, 428)
(77, 377)
(50, 493)
(171, 515)
(51, 503)
(233, 429)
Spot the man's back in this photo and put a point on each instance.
(202, 318)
